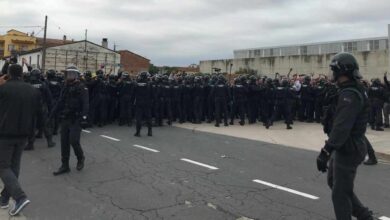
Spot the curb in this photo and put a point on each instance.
(383, 156)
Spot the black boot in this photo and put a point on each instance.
(379, 129)
(371, 161)
(242, 123)
(289, 127)
(150, 132)
(80, 164)
(50, 142)
(39, 135)
(62, 170)
(29, 147)
(138, 132)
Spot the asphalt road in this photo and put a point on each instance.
(182, 174)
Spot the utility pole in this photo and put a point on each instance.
(86, 38)
(44, 46)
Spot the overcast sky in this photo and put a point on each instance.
(182, 32)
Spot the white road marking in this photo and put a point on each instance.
(286, 189)
(86, 131)
(384, 218)
(111, 138)
(199, 164)
(146, 148)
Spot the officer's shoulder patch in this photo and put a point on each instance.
(347, 99)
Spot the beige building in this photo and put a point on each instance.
(372, 55)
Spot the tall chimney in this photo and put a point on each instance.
(105, 43)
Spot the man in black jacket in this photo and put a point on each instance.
(18, 109)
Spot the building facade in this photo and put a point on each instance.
(133, 63)
(84, 55)
(372, 55)
(14, 42)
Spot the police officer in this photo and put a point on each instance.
(112, 98)
(101, 99)
(346, 145)
(142, 99)
(198, 99)
(253, 100)
(307, 101)
(283, 95)
(210, 99)
(376, 95)
(221, 97)
(44, 124)
(239, 96)
(166, 100)
(90, 83)
(72, 107)
(177, 99)
(319, 93)
(267, 103)
(386, 107)
(55, 87)
(125, 89)
(188, 90)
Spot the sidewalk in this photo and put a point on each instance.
(4, 212)
(308, 136)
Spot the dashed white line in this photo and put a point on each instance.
(111, 138)
(199, 164)
(146, 148)
(287, 189)
(86, 131)
(384, 218)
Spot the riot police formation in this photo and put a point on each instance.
(160, 100)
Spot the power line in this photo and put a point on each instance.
(11, 26)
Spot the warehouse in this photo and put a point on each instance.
(371, 53)
(83, 54)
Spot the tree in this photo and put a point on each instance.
(153, 69)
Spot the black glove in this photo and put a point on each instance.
(84, 122)
(323, 158)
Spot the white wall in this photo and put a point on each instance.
(372, 64)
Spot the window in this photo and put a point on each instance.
(350, 46)
(24, 47)
(374, 44)
(303, 50)
(38, 66)
(257, 53)
(11, 47)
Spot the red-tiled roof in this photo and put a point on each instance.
(52, 42)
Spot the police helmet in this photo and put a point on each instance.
(143, 76)
(35, 74)
(51, 74)
(72, 73)
(125, 75)
(88, 74)
(285, 83)
(345, 64)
